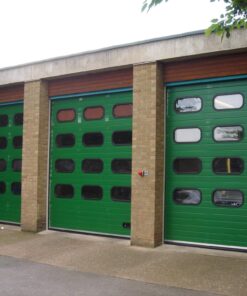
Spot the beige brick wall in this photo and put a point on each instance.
(148, 154)
(34, 156)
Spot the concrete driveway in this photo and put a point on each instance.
(100, 263)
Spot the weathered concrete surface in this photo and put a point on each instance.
(24, 278)
(121, 56)
(190, 268)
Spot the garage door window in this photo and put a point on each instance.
(3, 142)
(228, 198)
(66, 115)
(64, 191)
(4, 120)
(64, 165)
(18, 119)
(187, 165)
(17, 142)
(3, 165)
(228, 133)
(228, 165)
(16, 165)
(122, 110)
(2, 187)
(92, 192)
(187, 135)
(187, 196)
(93, 113)
(65, 140)
(93, 139)
(16, 188)
(122, 138)
(121, 166)
(229, 101)
(185, 105)
(92, 166)
(121, 193)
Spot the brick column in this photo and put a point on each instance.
(148, 153)
(34, 156)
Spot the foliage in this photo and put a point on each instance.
(235, 16)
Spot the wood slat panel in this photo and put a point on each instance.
(224, 65)
(91, 82)
(11, 93)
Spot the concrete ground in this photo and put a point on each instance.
(106, 262)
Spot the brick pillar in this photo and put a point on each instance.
(34, 156)
(148, 153)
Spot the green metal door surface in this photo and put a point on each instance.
(206, 179)
(11, 122)
(90, 164)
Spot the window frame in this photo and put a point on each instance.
(191, 188)
(66, 121)
(189, 127)
(225, 94)
(220, 206)
(98, 106)
(226, 174)
(122, 117)
(177, 173)
(231, 125)
(188, 97)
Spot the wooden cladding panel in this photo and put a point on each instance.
(11, 93)
(91, 82)
(224, 65)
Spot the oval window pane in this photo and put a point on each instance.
(64, 165)
(93, 113)
(121, 166)
(228, 165)
(16, 188)
(18, 119)
(184, 105)
(92, 192)
(228, 198)
(121, 193)
(64, 191)
(3, 142)
(66, 115)
(122, 138)
(123, 110)
(3, 165)
(187, 165)
(4, 120)
(187, 135)
(2, 187)
(93, 139)
(65, 140)
(93, 166)
(228, 133)
(231, 101)
(187, 196)
(16, 165)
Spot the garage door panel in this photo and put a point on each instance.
(207, 222)
(92, 207)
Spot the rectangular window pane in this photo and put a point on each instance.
(187, 196)
(184, 105)
(231, 101)
(65, 115)
(187, 165)
(228, 165)
(93, 139)
(93, 113)
(64, 165)
(65, 140)
(228, 133)
(228, 198)
(93, 166)
(121, 166)
(4, 120)
(187, 135)
(92, 192)
(123, 110)
(122, 138)
(121, 193)
(64, 191)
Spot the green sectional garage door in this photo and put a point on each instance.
(206, 160)
(11, 122)
(90, 164)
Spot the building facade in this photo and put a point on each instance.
(145, 140)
